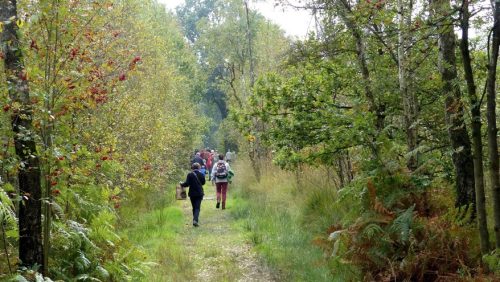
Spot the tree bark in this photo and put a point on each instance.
(477, 142)
(492, 122)
(454, 110)
(30, 221)
(257, 151)
(408, 96)
(377, 109)
(250, 45)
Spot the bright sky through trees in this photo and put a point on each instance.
(295, 23)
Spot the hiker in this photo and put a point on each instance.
(220, 173)
(197, 159)
(204, 154)
(229, 156)
(195, 180)
(209, 163)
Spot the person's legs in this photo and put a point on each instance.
(193, 203)
(196, 203)
(219, 190)
(224, 192)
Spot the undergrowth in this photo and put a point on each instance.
(385, 227)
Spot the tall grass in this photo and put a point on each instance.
(158, 232)
(282, 215)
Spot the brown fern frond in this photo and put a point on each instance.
(376, 204)
(333, 228)
(371, 191)
(379, 207)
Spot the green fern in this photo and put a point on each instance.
(493, 261)
(372, 230)
(401, 226)
(7, 213)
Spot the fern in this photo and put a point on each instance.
(372, 231)
(7, 213)
(493, 261)
(401, 226)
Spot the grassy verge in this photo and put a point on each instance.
(158, 232)
(271, 215)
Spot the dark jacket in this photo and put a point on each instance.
(197, 159)
(195, 186)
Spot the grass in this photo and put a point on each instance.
(158, 232)
(271, 214)
(280, 217)
(215, 251)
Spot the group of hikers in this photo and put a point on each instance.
(216, 166)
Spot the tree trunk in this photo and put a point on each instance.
(250, 46)
(257, 151)
(378, 110)
(30, 221)
(407, 95)
(363, 65)
(477, 142)
(341, 173)
(492, 122)
(454, 110)
(344, 168)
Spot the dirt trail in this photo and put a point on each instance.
(217, 249)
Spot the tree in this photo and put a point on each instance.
(408, 96)
(477, 142)
(492, 121)
(454, 110)
(30, 220)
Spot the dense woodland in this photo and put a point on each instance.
(366, 152)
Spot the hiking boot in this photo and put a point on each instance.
(217, 205)
(195, 223)
(223, 205)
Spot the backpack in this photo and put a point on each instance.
(209, 161)
(221, 171)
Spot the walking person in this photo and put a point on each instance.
(197, 159)
(210, 159)
(195, 180)
(220, 173)
(229, 156)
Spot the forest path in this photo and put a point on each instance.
(217, 249)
